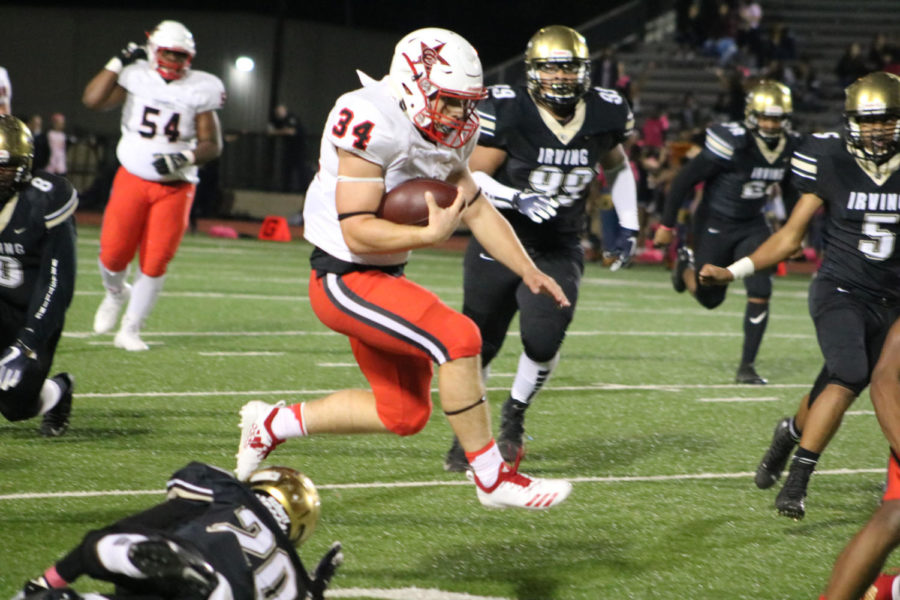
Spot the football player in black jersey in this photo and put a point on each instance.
(37, 279)
(214, 537)
(739, 165)
(855, 297)
(540, 147)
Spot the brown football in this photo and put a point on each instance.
(405, 203)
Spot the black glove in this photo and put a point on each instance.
(132, 52)
(169, 163)
(536, 206)
(13, 363)
(325, 571)
(625, 249)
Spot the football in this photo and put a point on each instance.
(405, 203)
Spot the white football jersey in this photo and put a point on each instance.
(370, 123)
(158, 117)
(5, 89)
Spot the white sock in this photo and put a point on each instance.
(51, 392)
(112, 550)
(144, 294)
(113, 281)
(487, 465)
(531, 376)
(285, 424)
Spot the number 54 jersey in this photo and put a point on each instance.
(545, 156)
(158, 117)
(861, 212)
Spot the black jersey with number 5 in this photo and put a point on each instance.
(545, 156)
(862, 213)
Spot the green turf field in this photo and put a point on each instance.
(641, 415)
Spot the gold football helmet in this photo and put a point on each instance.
(558, 67)
(872, 116)
(16, 155)
(769, 99)
(296, 494)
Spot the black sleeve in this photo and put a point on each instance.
(789, 195)
(55, 286)
(700, 168)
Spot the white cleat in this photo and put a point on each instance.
(257, 439)
(107, 314)
(516, 490)
(129, 336)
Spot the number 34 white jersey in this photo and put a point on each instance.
(158, 117)
(370, 123)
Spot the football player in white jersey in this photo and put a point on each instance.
(169, 127)
(5, 93)
(418, 121)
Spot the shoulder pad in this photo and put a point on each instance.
(722, 139)
(358, 125)
(805, 160)
(58, 197)
(209, 89)
(196, 481)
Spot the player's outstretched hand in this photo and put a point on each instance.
(536, 206)
(442, 222)
(541, 283)
(325, 571)
(13, 363)
(713, 275)
(132, 52)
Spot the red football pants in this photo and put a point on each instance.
(148, 214)
(397, 329)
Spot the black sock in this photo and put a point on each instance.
(806, 458)
(756, 317)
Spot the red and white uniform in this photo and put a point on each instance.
(397, 328)
(370, 123)
(147, 210)
(158, 117)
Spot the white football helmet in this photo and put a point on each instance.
(437, 76)
(171, 35)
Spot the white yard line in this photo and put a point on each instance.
(422, 484)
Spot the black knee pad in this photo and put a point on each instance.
(759, 285)
(710, 296)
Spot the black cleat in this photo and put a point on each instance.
(791, 500)
(172, 570)
(512, 429)
(746, 373)
(56, 420)
(683, 261)
(456, 461)
(773, 461)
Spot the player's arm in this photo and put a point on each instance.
(209, 137)
(103, 91)
(484, 162)
(494, 232)
(700, 168)
(360, 188)
(885, 388)
(56, 281)
(622, 186)
(779, 246)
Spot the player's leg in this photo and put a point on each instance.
(123, 226)
(35, 394)
(756, 313)
(542, 327)
(788, 432)
(840, 320)
(489, 299)
(166, 223)
(713, 244)
(859, 563)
